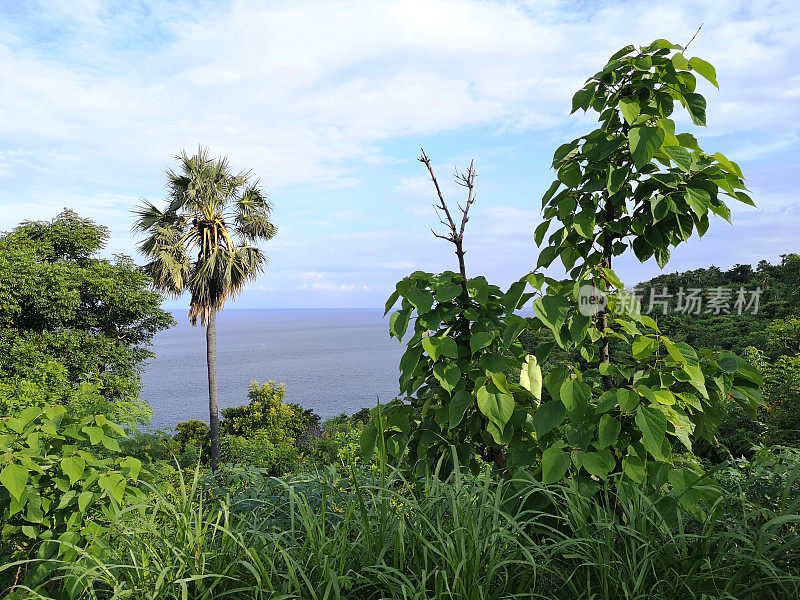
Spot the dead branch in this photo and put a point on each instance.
(455, 233)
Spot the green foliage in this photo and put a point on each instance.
(74, 328)
(632, 183)
(259, 449)
(453, 371)
(193, 434)
(466, 538)
(266, 412)
(338, 443)
(55, 491)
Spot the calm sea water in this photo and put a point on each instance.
(330, 360)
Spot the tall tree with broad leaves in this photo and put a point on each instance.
(204, 242)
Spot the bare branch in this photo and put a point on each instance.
(456, 235)
(694, 36)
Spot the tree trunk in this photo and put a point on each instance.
(213, 396)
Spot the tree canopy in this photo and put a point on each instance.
(74, 327)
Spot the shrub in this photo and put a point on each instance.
(266, 412)
(193, 437)
(258, 449)
(53, 486)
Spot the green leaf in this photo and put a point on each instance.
(575, 394)
(698, 199)
(550, 191)
(551, 310)
(644, 142)
(391, 301)
(457, 406)
(680, 156)
(697, 108)
(704, 69)
(84, 498)
(653, 425)
(448, 292)
(541, 231)
(584, 224)
(530, 376)
(599, 464)
(14, 478)
(422, 300)
(548, 416)
(570, 174)
(627, 399)
(728, 164)
(555, 463)
(398, 323)
(495, 405)
(431, 347)
(73, 467)
(633, 465)
(511, 298)
(478, 340)
(643, 347)
(447, 374)
(493, 362)
(616, 178)
(132, 465)
(608, 431)
(366, 441)
(630, 109)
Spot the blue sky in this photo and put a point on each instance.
(329, 102)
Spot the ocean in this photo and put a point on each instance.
(333, 361)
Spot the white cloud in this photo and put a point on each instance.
(97, 97)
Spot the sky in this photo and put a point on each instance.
(329, 102)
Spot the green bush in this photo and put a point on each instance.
(53, 486)
(258, 449)
(192, 437)
(267, 412)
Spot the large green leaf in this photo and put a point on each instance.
(575, 394)
(14, 478)
(555, 463)
(73, 467)
(644, 142)
(599, 464)
(495, 405)
(698, 199)
(697, 108)
(422, 300)
(448, 291)
(551, 310)
(608, 431)
(448, 374)
(705, 69)
(478, 340)
(643, 347)
(457, 406)
(630, 109)
(548, 416)
(530, 376)
(570, 174)
(653, 425)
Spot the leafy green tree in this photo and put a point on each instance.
(203, 241)
(453, 374)
(633, 182)
(74, 328)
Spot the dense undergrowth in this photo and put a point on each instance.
(376, 535)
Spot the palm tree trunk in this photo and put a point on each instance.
(213, 396)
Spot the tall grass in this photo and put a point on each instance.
(323, 536)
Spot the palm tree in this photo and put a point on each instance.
(204, 242)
